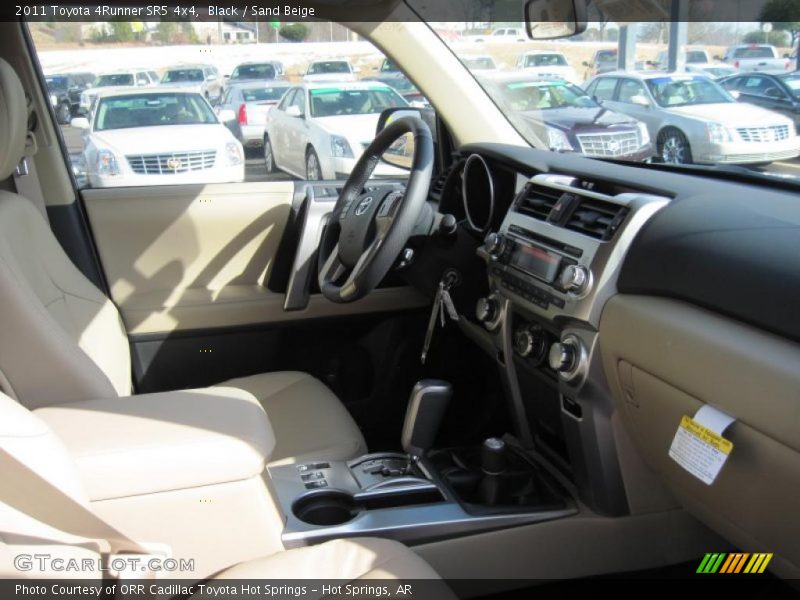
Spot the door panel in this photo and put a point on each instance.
(189, 258)
(665, 359)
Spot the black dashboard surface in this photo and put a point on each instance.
(730, 247)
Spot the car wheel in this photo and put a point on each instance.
(674, 148)
(313, 170)
(269, 157)
(64, 114)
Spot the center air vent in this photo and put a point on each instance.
(596, 218)
(537, 201)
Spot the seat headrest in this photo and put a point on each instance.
(13, 120)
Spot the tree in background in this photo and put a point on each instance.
(784, 16)
(294, 32)
(165, 32)
(121, 31)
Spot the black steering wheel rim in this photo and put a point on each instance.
(366, 231)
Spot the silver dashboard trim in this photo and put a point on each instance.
(602, 259)
(465, 196)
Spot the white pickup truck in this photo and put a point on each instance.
(757, 57)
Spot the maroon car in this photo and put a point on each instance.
(561, 116)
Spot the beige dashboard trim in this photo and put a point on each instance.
(665, 359)
(253, 305)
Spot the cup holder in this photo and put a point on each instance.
(326, 508)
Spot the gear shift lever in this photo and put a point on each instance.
(429, 400)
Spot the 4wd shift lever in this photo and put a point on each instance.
(426, 407)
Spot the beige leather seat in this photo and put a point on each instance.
(63, 339)
(57, 522)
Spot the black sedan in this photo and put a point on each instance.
(780, 93)
(564, 118)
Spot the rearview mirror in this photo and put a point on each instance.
(640, 100)
(294, 111)
(554, 19)
(401, 153)
(80, 123)
(226, 115)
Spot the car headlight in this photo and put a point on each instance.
(718, 133)
(233, 154)
(107, 163)
(644, 134)
(53, 99)
(557, 140)
(340, 147)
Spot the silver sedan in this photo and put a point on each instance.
(693, 119)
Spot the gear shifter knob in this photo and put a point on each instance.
(426, 407)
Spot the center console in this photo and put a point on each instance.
(552, 265)
(417, 496)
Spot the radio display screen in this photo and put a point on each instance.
(536, 261)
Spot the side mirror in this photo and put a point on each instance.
(294, 111)
(554, 19)
(226, 115)
(401, 153)
(735, 93)
(640, 100)
(717, 57)
(586, 63)
(80, 123)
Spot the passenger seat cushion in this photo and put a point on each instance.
(160, 442)
(309, 421)
(341, 560)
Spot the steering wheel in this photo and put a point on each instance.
(368, 228)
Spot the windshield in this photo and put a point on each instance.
(793, 83)
(120, 79)
(152, 110)
(262, 71)
(328, 67)
(754, 52)
(56, 83)
(642, 118)
(478, 62)
(334, 102)
(545, 60)
(540, 95)
(183, 75)
(269, 94)
(672, 92)
(696, 56)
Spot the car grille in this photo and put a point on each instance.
(609, 144)
(172, 163)
(772, 133)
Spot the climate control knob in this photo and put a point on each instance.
(494, 244)
(563, 357)
(486, 310)
(531, 342)
(575, 279)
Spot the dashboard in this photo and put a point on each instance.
(558, 237)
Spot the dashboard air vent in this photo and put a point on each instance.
(537, 201)
(596, 218)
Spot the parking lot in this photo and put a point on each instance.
(255, 170)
